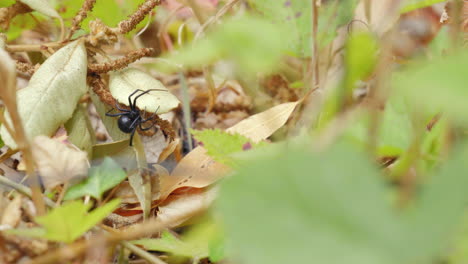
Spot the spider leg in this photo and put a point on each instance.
(130, 97)
(146, 128)
(121, 109)
(151, 117)
(145, 92)
(134, 128)
(131, 137)
(118, 114)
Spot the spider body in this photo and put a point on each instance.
(130, 120)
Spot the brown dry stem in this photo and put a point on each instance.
(134, 19)
(25, 67)
(8, 13)
(120, 63)
(80, 16)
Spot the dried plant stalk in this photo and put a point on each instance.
(133, 20)
(25, 67)
(8, 95)
(120, 63)
(8, 13)
(80, 16)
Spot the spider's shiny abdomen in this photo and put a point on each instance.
(125, 123)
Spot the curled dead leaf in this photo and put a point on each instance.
(199, 170)
(12, 213)
(58, 162)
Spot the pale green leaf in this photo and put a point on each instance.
(109, 122)
(51, 96)
(101, 179)
(440, 207)
(68, 222)
(194, 244)
(125, 82)
(220, 144)
(361, 57)
(293, 15)
(254, 45)
(80, 131)
(141, 184)
(42, 6)
(306, 207)
(436, 85)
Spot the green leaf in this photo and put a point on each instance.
(360, 59)
(220, 144)
(437, 85)
(197, 243)
(440, 207)
(303, 207)
(42, 6)
(68, 222)
(395, 132)
(80, 131)
(295, 16)
(334, 14)
(52, 94)
(101, 179)
(417, 4)
(253, 44)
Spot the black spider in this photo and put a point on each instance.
(130, 120)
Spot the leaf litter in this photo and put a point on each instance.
(243, 100)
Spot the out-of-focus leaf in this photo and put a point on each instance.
(101, 179)
(140, 181)
(255, 45)
(395, 132)
(125, 82)
(436, 85)
(58, 162)
(80, 131)
(51, 96)
(295, 16)
(440, 207)
(459, 254)
(361, 56)
(194, 244)
(417, 4)
(220, 144)
(303, 207)
(333, 14)
(68, 222)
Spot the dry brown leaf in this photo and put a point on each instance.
(168, 150)
(12, 213)
(384, 14)
(199, 170)
(178, 209)
(58, 162)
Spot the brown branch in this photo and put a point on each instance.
(8, 13)
(133, 20)
(120, 63)
(80, 16)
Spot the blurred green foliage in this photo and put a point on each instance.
(332, 207)
(68, 222)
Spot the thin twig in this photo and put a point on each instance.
(121, 62)
(186, 110)
(80, 16)
(134, 19)
(142, 253)
(23, 190)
